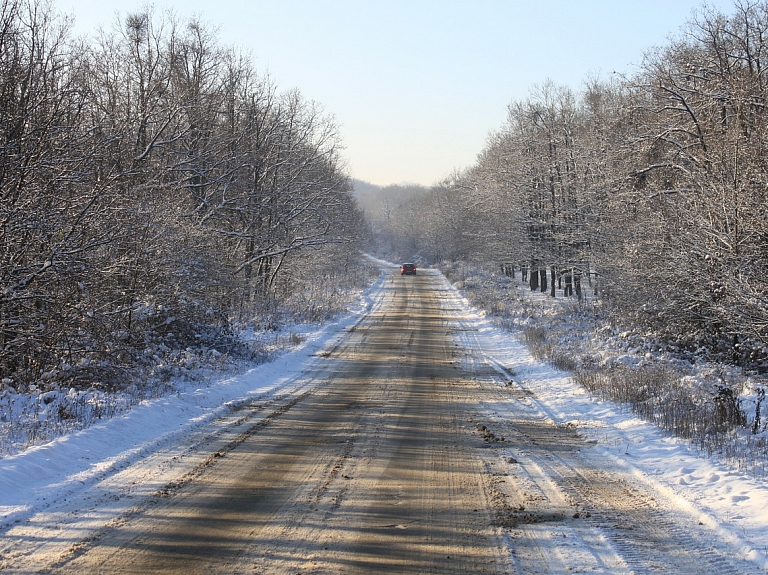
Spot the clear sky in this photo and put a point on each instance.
(416, 86)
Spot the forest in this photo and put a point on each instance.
(647, 192)
(158, 196)
(160, 200)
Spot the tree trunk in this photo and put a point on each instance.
(534, 280)
(553, 270)
(577, 283)
(568, 291)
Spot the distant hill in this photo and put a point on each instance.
(378, 201)
(361, 188)
(368, 196)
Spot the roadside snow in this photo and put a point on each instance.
(32, 480)
(729, 502)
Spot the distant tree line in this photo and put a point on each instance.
(154, 189)
(651, 190)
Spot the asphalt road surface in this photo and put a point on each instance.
(389, 460)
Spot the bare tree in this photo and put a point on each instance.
(153, 188)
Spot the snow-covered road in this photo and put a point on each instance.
(602, 491)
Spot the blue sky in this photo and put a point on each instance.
(416, 86)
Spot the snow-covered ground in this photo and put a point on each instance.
(43, 474)
(730, 503)
(43, 477)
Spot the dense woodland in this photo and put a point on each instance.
(156, 194)
(649, 191)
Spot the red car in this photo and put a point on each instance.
(408, 269)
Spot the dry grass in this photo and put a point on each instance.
(712, 421)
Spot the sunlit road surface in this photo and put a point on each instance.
(402, 450)
(375, 471)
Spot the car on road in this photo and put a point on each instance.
(408, 269)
